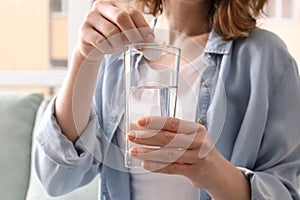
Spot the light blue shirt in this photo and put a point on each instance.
(249, 101)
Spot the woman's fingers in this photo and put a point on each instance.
(142, 25)
(171, 133)
(127, 19)
(168, 132)
(111, 25)
(166, 139)
(170, 124)
(166, 155)
(92, 43)
(107, 30)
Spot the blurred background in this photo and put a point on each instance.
(37, 38)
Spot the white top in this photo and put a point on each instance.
(147, 185)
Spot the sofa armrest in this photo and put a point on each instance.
(17, 118)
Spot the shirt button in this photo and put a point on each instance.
(205, 84)
(201, 121)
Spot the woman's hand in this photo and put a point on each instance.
(186, 149)
(109, 26)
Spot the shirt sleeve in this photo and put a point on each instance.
(61, 165)
(278, 163)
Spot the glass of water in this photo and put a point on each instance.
(151, 83)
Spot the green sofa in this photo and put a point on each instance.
(20, 114)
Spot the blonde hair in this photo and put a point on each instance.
(229, 18)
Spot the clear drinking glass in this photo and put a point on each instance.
(151, 83)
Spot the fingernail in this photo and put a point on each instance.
(134, 152)
(142, 121)
(150, 37)
(131, 135)
(145, 165)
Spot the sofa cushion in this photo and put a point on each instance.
(17, 117)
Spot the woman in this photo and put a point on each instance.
(250, 152)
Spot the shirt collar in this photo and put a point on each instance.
(217, 45)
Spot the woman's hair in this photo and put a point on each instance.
(229, 18)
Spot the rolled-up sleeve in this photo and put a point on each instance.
(269, 186)
(61, 165)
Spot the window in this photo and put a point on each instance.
(281, 9)
(58, 7)
(58, 33)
